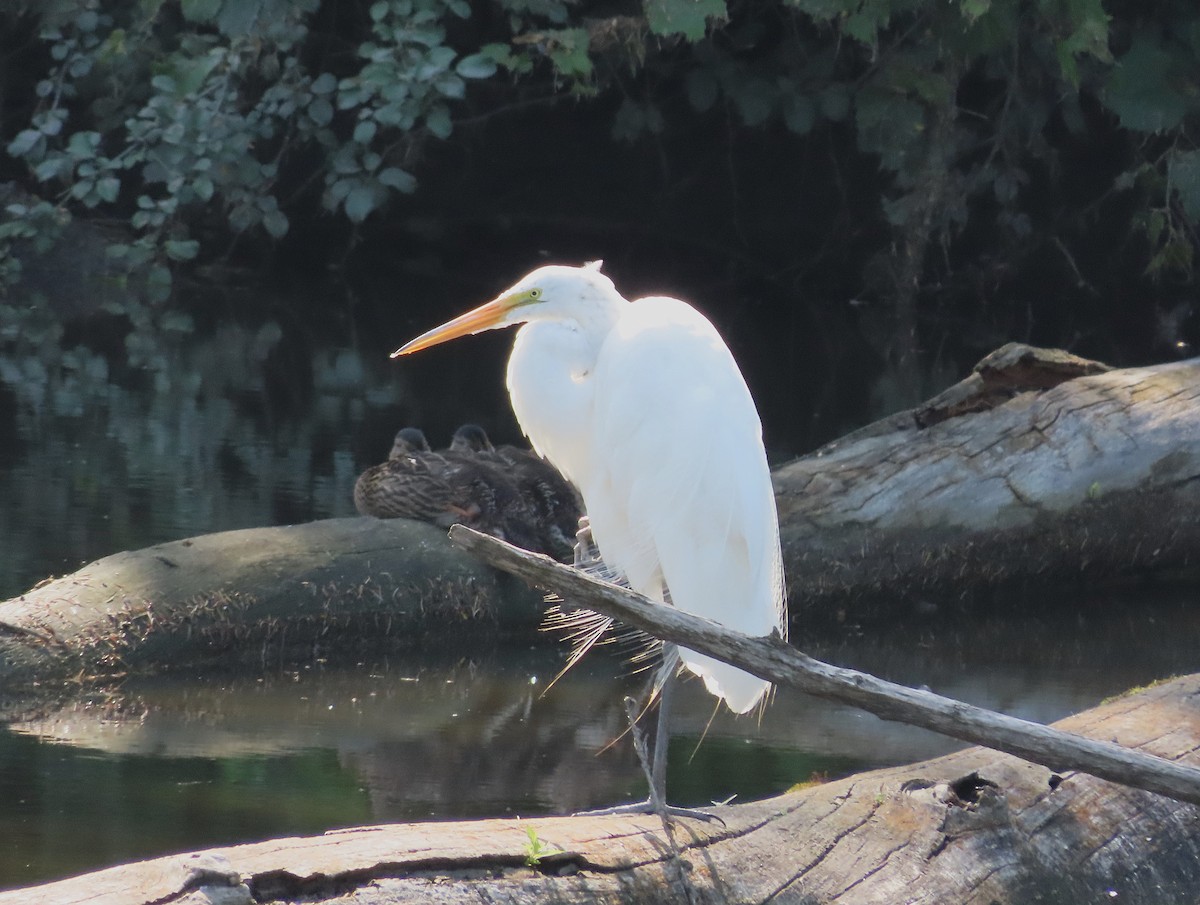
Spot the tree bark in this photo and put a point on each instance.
(971, 827)
(1040, 467)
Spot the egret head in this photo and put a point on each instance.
(553, 292)
(471, 438)
(408, 440)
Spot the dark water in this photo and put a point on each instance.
(159, 766)
(203, 439)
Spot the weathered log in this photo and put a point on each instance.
(773, 659)
(1039, 467)
(971, 827)
(260, 594)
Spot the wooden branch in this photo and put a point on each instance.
(773, 659)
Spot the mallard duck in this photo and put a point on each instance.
(450, 487)
(507, 512)
(413, 483)
(550, 504)
(409, 440)
(471, 438)
(557, 502)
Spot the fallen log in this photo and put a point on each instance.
(1039, 467)
(259, 595)
(971, 827)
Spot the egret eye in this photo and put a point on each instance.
(535, 293)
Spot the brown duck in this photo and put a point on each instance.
(550, 507)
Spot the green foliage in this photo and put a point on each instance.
(204, 120)
(689, 18)
(27, 228)
(187, 125)
(1151, 88)
(536, 849)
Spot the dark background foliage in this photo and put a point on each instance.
(866, 195)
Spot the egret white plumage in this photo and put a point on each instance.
(642, 406)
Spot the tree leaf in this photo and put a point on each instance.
(50, 168)
(181, 249)
(1142, 88)
(202, 11)
(398, 179)
(754, 98)
(325, 83)
(568, 51)
(275, 222)
(686, 17)
(973, 9)
(476, 66)
(889, 125)
(438, 121)
(1183, 170)
(359, 203)
(799, 113)
(365, 131)
(25, 141)
(320, 111)
(108, 187)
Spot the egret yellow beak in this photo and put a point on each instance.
(485, 317)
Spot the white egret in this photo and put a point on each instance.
(642, 406)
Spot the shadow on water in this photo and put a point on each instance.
(170, 765)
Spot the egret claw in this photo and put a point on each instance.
(647, 807)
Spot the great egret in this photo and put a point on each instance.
(642, 406)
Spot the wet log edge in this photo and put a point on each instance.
(773, 659)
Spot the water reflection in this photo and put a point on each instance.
(168, 765)
(201, 442)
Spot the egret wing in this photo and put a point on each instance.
(683, 494)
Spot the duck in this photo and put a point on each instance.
(455, 486)
(508, 492)
(413, 483)
(551, 504)
(409, 440)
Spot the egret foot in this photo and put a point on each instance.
(647, 807)
(587, 554)
(656, 771)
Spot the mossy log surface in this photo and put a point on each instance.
(1039, 467)
(971, 827)
(259, 594)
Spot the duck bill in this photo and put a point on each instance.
(485, 317)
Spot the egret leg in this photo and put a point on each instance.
(655, 766)
(662, 731)
(586, 552)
